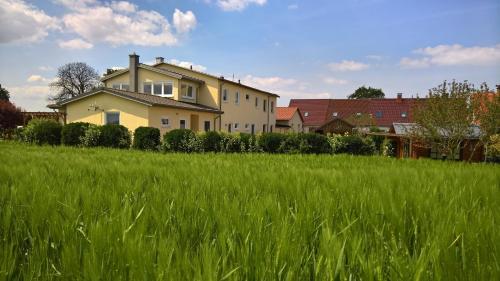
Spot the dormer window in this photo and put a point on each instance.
(378, 114)
(306, 114)
(335, 114)
(188, 91)
(404, 114)
(163, 89)
(120, 86)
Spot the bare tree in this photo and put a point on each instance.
(444, 119)
(74, 79)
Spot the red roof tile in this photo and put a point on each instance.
(384, 112)
(285, 113)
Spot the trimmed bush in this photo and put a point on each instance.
(92, 136)
(353, 144)
(116, 136)
(181, 140)
(210, 141)
(270, 142)
(315, 143)
(43, 131)
(146, 138)
(230, 143)
(292, 144)
(72, 133)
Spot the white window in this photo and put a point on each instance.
(306, 114)
(120, 86)
(335, 114)
(237, 97)
(165, 122)
(188, 91)
(163, 89)
(403, 114)
(224, 95)
(112, 118)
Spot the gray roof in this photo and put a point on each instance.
(146, 99)
(408, 128)
(154, 69)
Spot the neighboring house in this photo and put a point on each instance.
(336, 126)
(288, 120)
(362, 113)
(168, 96)
(407, 147)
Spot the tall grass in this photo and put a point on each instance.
(98, 214)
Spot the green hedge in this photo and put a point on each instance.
(72, 133)
(181, 140)
(116, 136)
(271, 142)
(146, 138)
(43, 131)
(210, 141)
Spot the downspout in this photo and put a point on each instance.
(220, 103)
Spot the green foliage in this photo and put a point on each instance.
(367, 93)
(4, 94)
(146, 138)
(230, 143)
(210, 141)
(43, 131)
(181, 140)
(116, 136)
(92, 136)
(352, 144)
(270, 142)
(129, 215)
(304, 143)
(73, 132)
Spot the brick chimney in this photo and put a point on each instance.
(399, 97)
(160, 60)
(133, 72)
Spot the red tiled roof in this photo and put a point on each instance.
(285, 113)
(313, 110)
(384, 112)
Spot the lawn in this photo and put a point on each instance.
(102, 214)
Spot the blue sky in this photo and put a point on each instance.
(298, 49)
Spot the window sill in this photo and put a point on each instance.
(189, 98)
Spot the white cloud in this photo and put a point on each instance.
(348, 65)
(334, 81)
(238, 5)
(30, 98)
(187, 64)
(75, 44)
(22, 22)
(293, 6)
(35, 78)
(122, 23)
(45, 68)
(184, 22)
(448, 55)
(268, 83)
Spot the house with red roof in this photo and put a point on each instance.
(360, 113)
(289, 119)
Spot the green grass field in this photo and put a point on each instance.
(98, 214)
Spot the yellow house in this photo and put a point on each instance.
(289, 120)
(168, 96)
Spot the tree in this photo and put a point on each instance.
(74, 79)
(367, 93)
(487, 116)
(444, 119)
(4, 94)
(10, 116)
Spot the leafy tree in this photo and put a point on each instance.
(74, 79)
(444, 119)
(10, 115)
(4, 94)
(487, 116)
(367, 93)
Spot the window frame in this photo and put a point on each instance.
(194, 91)
(168, 125)
(236, 97)
(163, 87)
(185, 124)
(106, 117)
(225, 95)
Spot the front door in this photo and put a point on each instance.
(253, 129)
(194, 122)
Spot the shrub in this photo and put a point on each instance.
(210, 141)
(43, 131)
(314, 143)
(181, 140)
(230, 143)
(116, 136)
(354, 144)
(71, 133)
(92, 136)
(270, 142)
(292, 144)
(146, 138)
